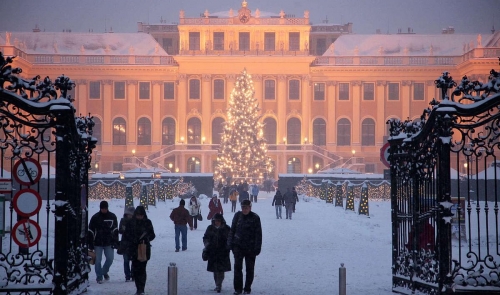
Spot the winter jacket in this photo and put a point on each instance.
(278, 199)
(103, 230)
(215, 241)
(214, 207)
(290, 198)
(244, 196)
(124, 223)
(180, 216)
(194, 208)
(233, 196)
(255, 190)
(246, 233)
(137, 231)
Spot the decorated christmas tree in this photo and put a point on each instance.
(243, 150)
(129, 198)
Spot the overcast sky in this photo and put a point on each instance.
(424, 16)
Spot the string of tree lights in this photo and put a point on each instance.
(243, 149)
(160, 190)
(339, 197)
(363, 201)
(349, 202)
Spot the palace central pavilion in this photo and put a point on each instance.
(159, 96)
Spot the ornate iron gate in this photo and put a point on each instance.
(43, 250)
(445, 192)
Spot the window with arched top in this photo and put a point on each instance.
(119, 131)
(143, 131)
(343, 132)
(193, 165)
(217, 130)
(368, 132)
(168, 131)
(293, 131)
(269, 130)
(319, 132)
(293, 165)
(97, 129)
(194, 131)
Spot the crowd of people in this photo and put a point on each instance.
(243, 237)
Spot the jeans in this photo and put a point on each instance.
(278, 210)
(195, 221)
(239, 255)
(289, 210)
(110, 255)
(181, 229)
(126, 266)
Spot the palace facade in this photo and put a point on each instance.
(159, 96)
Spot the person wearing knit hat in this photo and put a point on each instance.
(122, 249)
(102, 237)
(215, 252)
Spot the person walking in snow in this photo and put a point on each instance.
(194, 210)
(139, 231)
(122, 249)
(255, 193)
(288, 201)
(180, 216)
(295, 198)
(215, 241)
(278, 203)
(245, 240)
(102, 238)
(215, 207)
(233, 197)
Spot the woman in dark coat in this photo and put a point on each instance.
(139, 230)
(215, 240)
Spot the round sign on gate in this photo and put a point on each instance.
(27, 202)
(384, 155)
(26, 233)
(27, 171)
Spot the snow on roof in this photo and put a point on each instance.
(405, 45)
(86, 43)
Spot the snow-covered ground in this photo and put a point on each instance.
(299, 256)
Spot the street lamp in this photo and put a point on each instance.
(317, 166)
(284, 140)
(310, 170)
(182, 139)
(133, 152)
(203, 140)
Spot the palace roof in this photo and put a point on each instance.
(67, 43)
(409, 44)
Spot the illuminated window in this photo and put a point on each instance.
(96, 130)
(143, 131)
(293, 135)
(194, 131)
(193, 165)
(293, 165)
(168, 131)
(119, 131)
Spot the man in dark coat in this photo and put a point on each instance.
(215, 241)
(139, 231)
(245, 239)
(180, 216)
(288, 201)
(102, 237)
